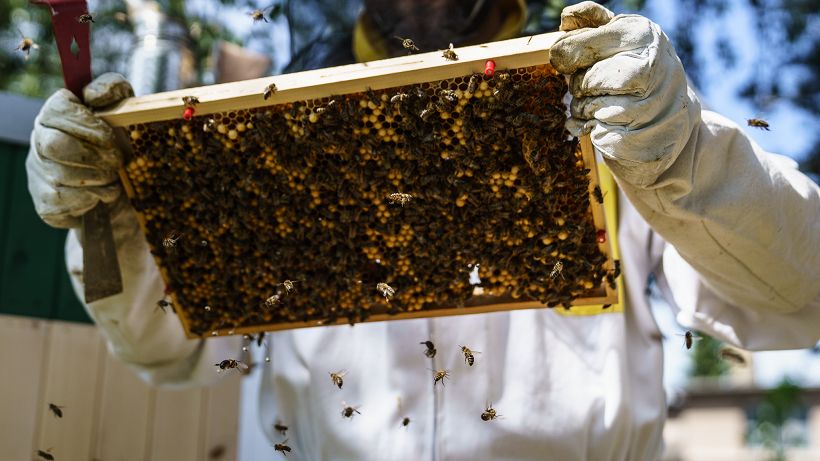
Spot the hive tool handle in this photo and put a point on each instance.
(101, 271)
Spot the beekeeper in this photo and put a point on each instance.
(731, 233)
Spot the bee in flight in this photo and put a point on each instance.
(408, 44)
(26, 45)
(349, 411)
(440, 375)
(229, 364)
(280, 428)
(336, 378)
(282, 447)
(689, 339)
(469, 358)
(56, 409)
(430, 352)
(758, 123)
(45, 454)
(85, 18)
(489, 413)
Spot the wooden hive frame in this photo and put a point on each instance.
(358, 78)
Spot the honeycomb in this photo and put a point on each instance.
(412, 188)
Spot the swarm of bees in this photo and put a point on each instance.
(494, 179)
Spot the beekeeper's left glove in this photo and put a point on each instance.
(72, 161)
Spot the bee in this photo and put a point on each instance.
(405, 421)
(399, 198)
(557, 269)
(228, 364)
(336, 378)
(489, 413)
(259, 339)
(689, 338)
(45, 454)
(56, 409)
(408, 44)
(280, 428)
(440, 375)
(386, 290)
(430, 352)
(273, 300)
(596, 192)
(162, 304)
(758, 123)
(208, 126)
(449, 54)
(473, 84)
(398, 97)
(616, 271)
(606, 306)
(727, 353)
(170, 241)
(26, 45)
(426, 113)
(349, 411)
(289, 285)
(85, 18)
(330, 105)
(258, 15)
(269, 91)
(282, 447)
(448, 95)
(469, 358)
(190, 101)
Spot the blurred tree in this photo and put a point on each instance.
(769, 423)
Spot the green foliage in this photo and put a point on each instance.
(770, 417)
(706, 361)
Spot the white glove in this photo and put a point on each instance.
(72, 162)
(629, 90)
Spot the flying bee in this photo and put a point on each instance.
(430, 352)
(280, 428)
(336, 378)
(489, 413)
(398, 97)
(26, 45)
(440, 375)
(399, 198)
(408, 44)
(689, 338)
(473, 84)
(282, 447)
(170, 241)
(469, 358)
(190, 101)
(349, 411)
(557, 269)
(162, 304)
(56, 409)
(596, 192)
(758, 123)
(727, 353)
(85, 18)
(289, 285)
(269, 91)
(449, 54)
(258, 15)
(45, 454)
(273, 300)
(229, 364)
(386, 290)
(405, 421)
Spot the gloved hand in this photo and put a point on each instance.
(72, 162)
(629, 90)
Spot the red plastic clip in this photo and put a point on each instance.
(189, 113)
(600, 236)
(489, 68)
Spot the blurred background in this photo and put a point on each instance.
(747, 58)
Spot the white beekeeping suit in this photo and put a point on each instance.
(741, 263)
